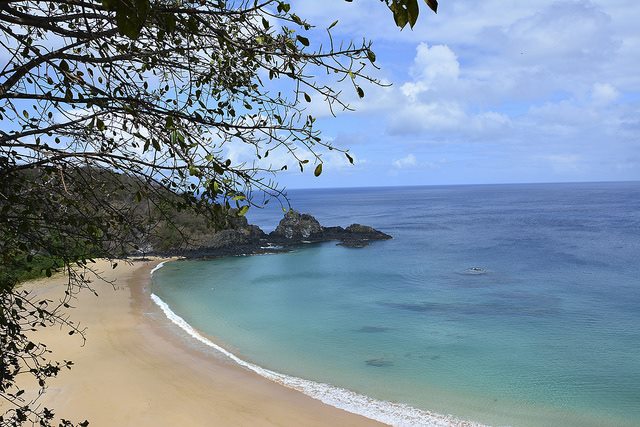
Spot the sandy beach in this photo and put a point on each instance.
(137, 368)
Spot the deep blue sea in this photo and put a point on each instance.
(501, 304)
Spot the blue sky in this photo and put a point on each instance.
(487, 92)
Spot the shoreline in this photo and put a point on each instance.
(386, 412)
(136, 369)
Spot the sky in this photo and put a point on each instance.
(486, 92)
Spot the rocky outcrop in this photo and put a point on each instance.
(294, 229)
(297, 226)
(228, 238)
(364, 229)
(358, 236)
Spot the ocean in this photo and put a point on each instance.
(500, 304)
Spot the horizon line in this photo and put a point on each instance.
(465, 185)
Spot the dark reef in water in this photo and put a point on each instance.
(373, 329)
(379, 363)
(294, 229)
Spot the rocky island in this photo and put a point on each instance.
(293, 230)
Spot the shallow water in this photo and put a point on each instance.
(511, 304)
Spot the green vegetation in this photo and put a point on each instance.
(26, 268)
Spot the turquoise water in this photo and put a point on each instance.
(549, 334)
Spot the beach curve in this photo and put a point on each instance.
(135, 369)
(391, 413)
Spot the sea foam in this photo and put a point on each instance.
(157, 267)
(396, 414)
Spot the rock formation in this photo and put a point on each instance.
(294, 229)
(297, 226)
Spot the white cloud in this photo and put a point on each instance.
(433, 103)
(417, 118)
(435, 63)
(406, 162)
(604, 93)
(562, 36)
(531, 84)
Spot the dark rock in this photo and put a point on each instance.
(359, 236)
(255, 232)
(237, 221)
(364, 231)
(354, 243)
(334, 232)
(379, 363)
(228, 238)
(358, 228)
(294, 229)
(297, 226)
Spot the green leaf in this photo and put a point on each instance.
(283, 7)
(399, 14)
(318, 170)
(216, 187)
(303, 40)
(371, 55)
(360, 91)
(243, 210)
(131, 15)
(170, 22)
(177, 137)
(433, 4)
(333, 24)
(295, 18)
(412, 12)
(349, 157)
(307, 97)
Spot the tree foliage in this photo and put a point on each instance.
(156, 91)
(407, 11)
